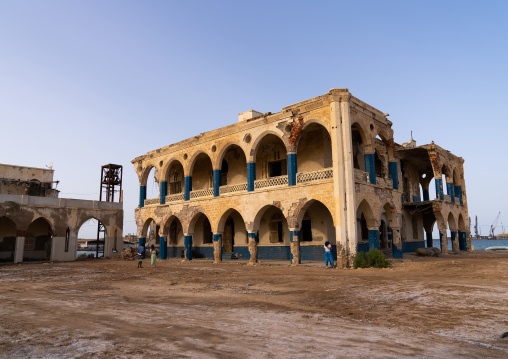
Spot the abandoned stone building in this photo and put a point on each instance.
(278, 185)
(35, 224)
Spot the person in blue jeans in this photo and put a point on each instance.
(328, 255)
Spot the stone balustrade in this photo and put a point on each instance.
(239, 187)
(303, 177)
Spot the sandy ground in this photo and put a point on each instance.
(451, 307)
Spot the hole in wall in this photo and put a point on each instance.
(214, 148)
(185, 156)
(247, 138)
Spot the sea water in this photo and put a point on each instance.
(479, 244)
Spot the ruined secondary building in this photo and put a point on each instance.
(33, 219)
(276, 186)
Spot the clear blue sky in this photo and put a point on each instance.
(86, 83)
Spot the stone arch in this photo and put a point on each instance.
(173, 177)
(192, 161)
(167, 166)
(172, 231)
(367, 140)
(200, 227)
(233, 229)
(380, 164)
(202, 175)
(84, 218)
(368, 213)
(270, 156)
(391, 214)
(259, 215)
(314, 147)
(456, 177)
(146, 225)
(452, 224)
(236, 170)
(146, 172)
(251, 155)
(461, 223)
(38, 234)
(310, 228)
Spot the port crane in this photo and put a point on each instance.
(493, 226)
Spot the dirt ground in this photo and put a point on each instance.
(449, 307)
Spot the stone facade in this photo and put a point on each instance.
(277, 186)
(32, 217)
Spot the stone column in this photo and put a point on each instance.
(142, 196)
(216, 182)
(251, 176)
(253, 248)
(426, 196)
(455, 241)
(294, 238)
(188, 247)
(141, 241)
(163, 192)
(188, 187)
(163, 249)
(292, 169)
(396, 244)
(217, 247)
(343, 177)
(444, 241)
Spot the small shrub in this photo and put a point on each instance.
(374, 258)
(82, 256)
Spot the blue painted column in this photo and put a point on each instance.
(426, 196)
(292, 169)
(251, 175)
(417, 199)
(458, 191)
(217, 247)
(450, 191)
(164, 192)
(397, 245)
(462, 241)
(216, 182)
(163, 249)
(142, 196)
(393, 173)
(188, 187)
(188, 247)
(430, 241)
(295, 256)
(370, 167)
(253, 248)
(373, 238)
(439, 188)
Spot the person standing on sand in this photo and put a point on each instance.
(328, 254)
(141, 255)
(153, 256)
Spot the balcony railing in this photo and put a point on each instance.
(271, 182)
(201, 193)
(151, 201)
(233, 188)
(174, 197)
(303, 177)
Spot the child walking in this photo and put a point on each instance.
(328, 254)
